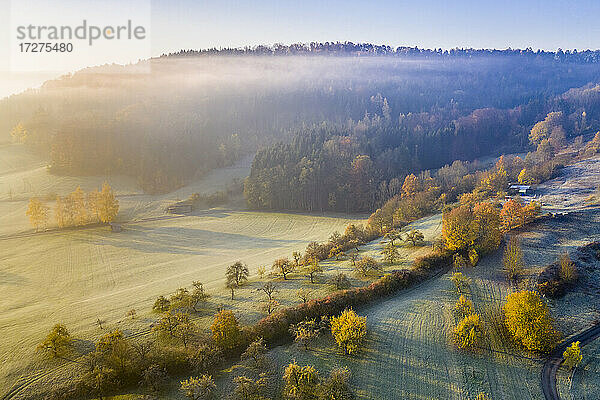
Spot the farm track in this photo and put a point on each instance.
(548, 376)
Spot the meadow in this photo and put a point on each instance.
(80, 276)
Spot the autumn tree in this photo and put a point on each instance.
(249, 389)
(226, 331)
(37, 213)
(528, 320)
(340, 281)
(463, 307)
(513, 260)
(206, 358)
(468, 334)
(458, 228)
(572, 355)
(80, 210)
(199, 388)
(543, 129)
(57, 341)
(336, 386)
(154, 377)
(235, 276)
(461, 282)
(256, 353)
(198, 295)
(305, 331)
(107, 205)
(313, 268)
(349, 330)
(167, 324)
(19, 133)
(531, 211)
(392, 236)
(525, 177)
(486, 227)
(161, 304)
(185, 328)
(283, 267)
(300, 383)
(411, 186)
(512, 215)
(390, 253)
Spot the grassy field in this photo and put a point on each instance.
(409, 354)
(78, 276)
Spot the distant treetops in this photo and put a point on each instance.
(76, 209)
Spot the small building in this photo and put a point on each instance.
(522, 190)
(181, 207)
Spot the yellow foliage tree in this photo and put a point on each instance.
(543, 129)
(37, 213)
(528, 320)
(487, 227)
(349, 330)
(572, 355)
(226, 331)
(107, 204)
(531, 211)
(80, 212)
(411, 185)
(468, 334)
(463, 307)
(458, 228)
(56, 341)
(525, 177)
(301, 383)
(19, 133)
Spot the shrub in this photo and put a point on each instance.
(468, 334)
(572, 355)
(57, 341)
(336, 386)
(528, 320)
(463, 307)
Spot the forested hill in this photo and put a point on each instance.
(369, 49)
(171, 119)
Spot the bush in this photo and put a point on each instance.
(468, 334)
(528, 320)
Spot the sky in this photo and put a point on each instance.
(188, 24)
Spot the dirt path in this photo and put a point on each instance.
(553, 363)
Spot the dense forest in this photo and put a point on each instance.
(330, 121)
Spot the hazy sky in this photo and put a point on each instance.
(177, 24)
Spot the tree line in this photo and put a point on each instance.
(75, 209)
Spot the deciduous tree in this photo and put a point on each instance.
(37, 213)
(198, 388)
(226, 331)
(528, 320)
(349, 330)
(283, 267)
(57, 341)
